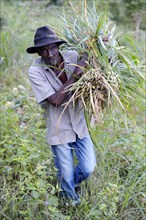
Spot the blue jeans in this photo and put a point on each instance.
(68, 175)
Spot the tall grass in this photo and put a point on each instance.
(28, 187)
(17, 34)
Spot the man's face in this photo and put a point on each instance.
(50, 54)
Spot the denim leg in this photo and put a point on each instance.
(85, 153)
(63, 159)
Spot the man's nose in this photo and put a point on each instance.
(50, 52)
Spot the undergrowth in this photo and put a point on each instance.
(28, 178)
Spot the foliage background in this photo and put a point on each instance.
(28, 183)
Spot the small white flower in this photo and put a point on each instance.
(15, 90)
(46, 203)
(21, 87)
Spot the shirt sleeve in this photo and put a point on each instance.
(41, 86)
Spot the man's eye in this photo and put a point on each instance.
(43, 52)
(54, 48)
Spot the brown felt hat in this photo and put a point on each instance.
(44, 36)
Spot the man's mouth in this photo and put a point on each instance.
(51, 60)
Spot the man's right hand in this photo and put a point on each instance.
(82, 64)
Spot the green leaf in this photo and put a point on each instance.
(35, 194)
(102, 20)
(53, 201)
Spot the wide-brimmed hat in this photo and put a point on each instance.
(44, 36)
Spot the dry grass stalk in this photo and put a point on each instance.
(113, 70)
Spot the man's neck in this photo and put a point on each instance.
(60, 63)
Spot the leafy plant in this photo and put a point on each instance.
(113, 66)
(26, 165)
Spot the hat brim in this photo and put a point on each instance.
(34, 49)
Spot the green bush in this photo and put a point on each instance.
(26, 164)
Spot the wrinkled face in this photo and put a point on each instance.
(50, 54)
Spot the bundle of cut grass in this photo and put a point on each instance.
(113, 70)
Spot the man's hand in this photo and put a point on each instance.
(82, 64)
(106, 38)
